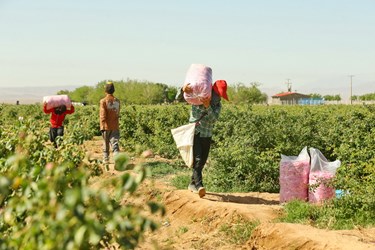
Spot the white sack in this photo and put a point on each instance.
(200, 78)
(184, 138)
(320, 163)
(54, 101)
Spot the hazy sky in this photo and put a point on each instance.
(316, 44)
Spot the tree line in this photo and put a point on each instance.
(145, 93)
(365, 97)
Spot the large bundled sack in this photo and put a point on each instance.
(54, 101)
(294, 176)
(200, 78)
(184, 138)
(321, 172)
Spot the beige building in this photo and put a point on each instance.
(288, 98)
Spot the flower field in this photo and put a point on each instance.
(46, 201)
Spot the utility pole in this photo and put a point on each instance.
(351, 88)
(289, 85)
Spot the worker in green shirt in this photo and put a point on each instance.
(204, 116)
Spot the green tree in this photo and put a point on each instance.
(332, 97)
(240, 93)
(329, 97)
(134, 92)
(315, 95)
(355, 98)
(97, 93)
(367, 97)
(171, 93)
(81, 94)
(63, 92)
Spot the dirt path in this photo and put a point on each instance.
(213, 222)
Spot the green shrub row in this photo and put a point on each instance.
(46, 200)
(248, 141)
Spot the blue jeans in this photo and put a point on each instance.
(201, 149)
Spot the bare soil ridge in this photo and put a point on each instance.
(197, 223)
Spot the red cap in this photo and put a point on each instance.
(220, 87)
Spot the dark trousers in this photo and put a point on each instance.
(111, 138)
(201, 149)
(55, 132)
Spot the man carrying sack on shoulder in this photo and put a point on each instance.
(204, 116)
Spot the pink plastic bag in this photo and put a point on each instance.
(54, 101)
(321, 171)
(200, 78)
(319, 191)
(294, 177)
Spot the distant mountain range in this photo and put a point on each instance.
(29, 95)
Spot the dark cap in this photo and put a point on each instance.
(109, 88)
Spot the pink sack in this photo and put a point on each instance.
(321, 171)
(54, 101)
(294, 177)
(200, 78)
(319, 191)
